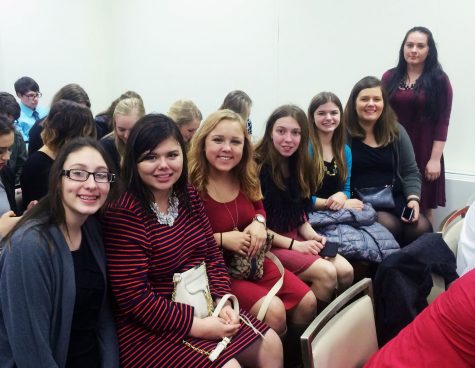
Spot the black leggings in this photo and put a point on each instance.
(404, 233)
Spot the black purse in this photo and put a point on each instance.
(379, 197)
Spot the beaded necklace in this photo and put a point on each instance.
(404, 85)
(172, 213)
(334, 169)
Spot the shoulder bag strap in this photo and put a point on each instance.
(274, 290)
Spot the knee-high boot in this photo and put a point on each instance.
(291, 342)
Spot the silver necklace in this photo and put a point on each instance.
(172, 213)
(235, 223)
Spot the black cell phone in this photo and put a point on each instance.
(330, 249)
(407, 213)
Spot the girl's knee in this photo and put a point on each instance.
(327, 272)
(276, 316)
(306, 309)
(272, 347)
(345, 278)
(233, 363)
(345, 274)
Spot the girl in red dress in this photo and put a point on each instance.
(156, 228)
(223, 171)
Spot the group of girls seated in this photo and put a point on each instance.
(288, 182)
(160, 195)
(186, 196)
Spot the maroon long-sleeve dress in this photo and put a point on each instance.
(409, 108)
(142, 256)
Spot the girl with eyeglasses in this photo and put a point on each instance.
(54, 309)
(28, 91)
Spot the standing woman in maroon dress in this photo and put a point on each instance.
(156, 228)
(421, 95)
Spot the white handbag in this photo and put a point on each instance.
(226, 340)
(192, 288)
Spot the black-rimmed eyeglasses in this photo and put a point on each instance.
(83, 175)
(33, 95)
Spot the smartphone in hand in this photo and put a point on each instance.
(407, 213)
(330, 249)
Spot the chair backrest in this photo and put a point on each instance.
(451, 227)
(343, 335)
(452, 236)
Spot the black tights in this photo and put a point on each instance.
(403, 232)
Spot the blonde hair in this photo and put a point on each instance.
(183, 112)
(245, 171)
(125, 107)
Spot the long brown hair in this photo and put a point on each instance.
(338, 138)
(245, 171)
(50, 209)
(67, 120)
(385, 129)
(267, 154)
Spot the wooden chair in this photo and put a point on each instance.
(343, 335)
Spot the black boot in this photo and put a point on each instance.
(291, 342)
(321, 305)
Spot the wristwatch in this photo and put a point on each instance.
(261, 219)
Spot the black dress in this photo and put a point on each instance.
(90, 288)
(331, 182)
(285, 209)
(34, 137)
(35, 176)
(374, 167)
(108, 143)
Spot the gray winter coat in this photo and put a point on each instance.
(356, 231)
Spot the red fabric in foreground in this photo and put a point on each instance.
(443, 335)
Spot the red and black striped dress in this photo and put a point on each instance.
(142, 256)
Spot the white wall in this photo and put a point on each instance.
(56, 43)
(276, 50)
